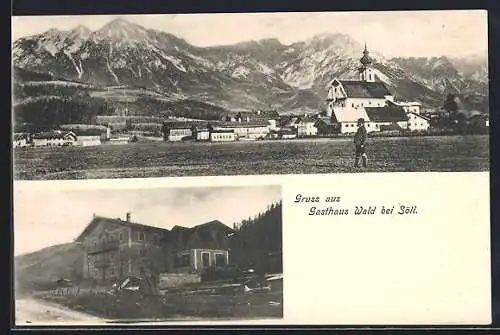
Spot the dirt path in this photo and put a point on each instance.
(34, 312)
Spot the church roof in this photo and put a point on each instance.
(386, 114)
(364, 89)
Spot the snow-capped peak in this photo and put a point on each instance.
(80, 31)
(121, 29)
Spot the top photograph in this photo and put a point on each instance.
(174, 95)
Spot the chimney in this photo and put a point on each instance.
(128, 217)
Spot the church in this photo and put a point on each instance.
(371, 100)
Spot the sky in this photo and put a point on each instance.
(454, 33)
(61, 215)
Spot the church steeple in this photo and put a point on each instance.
(365, 71)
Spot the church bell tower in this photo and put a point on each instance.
(366, 72)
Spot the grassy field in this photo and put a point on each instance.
(176, 306)
(439, 153)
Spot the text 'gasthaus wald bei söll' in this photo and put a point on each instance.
(333, 207)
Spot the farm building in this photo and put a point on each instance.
(381, 117)
(114, 248)
(326, 126)
(226, 135)
(287, 133)
(409, 106)
(479, 121)
(177, 130)
(118, 140)
(19, 140)
(54, 138)
(345, 120)
(306, 127)
(417, 121)
(249, 130)
(201, 133)
(89, 137)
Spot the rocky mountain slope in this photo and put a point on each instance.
(248, 75)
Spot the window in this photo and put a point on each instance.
(120, 236)
(141, 237)
(142, 252)
(205, 259)
(220, 259)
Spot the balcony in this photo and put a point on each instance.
(103, 247)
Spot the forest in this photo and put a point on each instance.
(257, 243)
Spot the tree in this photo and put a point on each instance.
(450, 105)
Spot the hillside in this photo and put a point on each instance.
(123, 61)
(48, 265)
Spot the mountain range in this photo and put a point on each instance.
(123, 61)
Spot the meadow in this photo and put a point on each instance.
(327, 155)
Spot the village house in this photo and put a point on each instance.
(114, 248)
(417, 122)
(306, 127)
(287, 133)
(174, 131)
(409, 106)
(479, 121)
(19, 140)
(243, 129)
(223, 135)
(197, 248)
(201, 133)
(89, 137)
(389, 117)
(54, 138)
(326, 126)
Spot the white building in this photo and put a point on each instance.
(19, 141)
(409, 106)
(244, 129)
(226, 135)
(417, 122)
(371, 100)
(54, 138)
(306, 127)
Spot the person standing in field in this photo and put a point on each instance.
(360, 141)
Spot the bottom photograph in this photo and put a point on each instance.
(147, 255)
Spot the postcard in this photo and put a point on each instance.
(326, 168)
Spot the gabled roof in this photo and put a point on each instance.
(179, 124)
(213, 223)
(325, 120)
(364, 89)
(222, 131)
(386, 114)
(420, 116)
(350, 115)
(307, 119)
(243, 124)
(53, 134)
(100, 219)
(88, 132)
